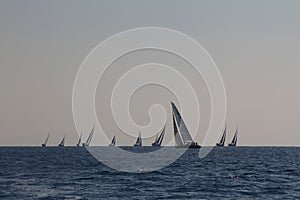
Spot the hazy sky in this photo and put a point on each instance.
(255, 44)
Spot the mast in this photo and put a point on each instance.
(45, 143)
(79, 141)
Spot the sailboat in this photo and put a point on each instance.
(113, 141)
(62, 143)
(79, 141)
(182, 136)
(234, 140)
(223, 138)
(89, 139)
(159, 138)
(138, 141)
(45, 143)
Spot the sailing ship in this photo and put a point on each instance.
(45, 143)
(159, 138)
(223, 138)
(182, 136)
(234, 140)
(89, 139)
(113, 141)
(62, 143)
(138, 141)
(79, 141)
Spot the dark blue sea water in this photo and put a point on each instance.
(226, 173)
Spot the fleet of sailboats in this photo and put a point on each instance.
(182, 136)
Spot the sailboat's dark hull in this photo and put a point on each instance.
(155, 145)
(192, 146)
(43, 145)
(231, 145)
(220, 145)
(61, 145)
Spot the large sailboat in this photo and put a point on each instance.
(223, 138)
(89, 139)
(79, 141)
(159, 138)
(234, 140)
(47, 138)
(113, 141)
(62, 143)
(138, 141)
(183, 138)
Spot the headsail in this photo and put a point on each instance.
(62, 143)
(45, 143)
(113, 141)
(89, 139)
(223, 138)
(139, 140)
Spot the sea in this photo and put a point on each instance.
(225, 173)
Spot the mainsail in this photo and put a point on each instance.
(45, 143)
(62, 143)
(88, 141)
(234, 140)
(139, 140)
(113, 141)
(159, 138)
(223, 138)
(181, 133)
(79, 141)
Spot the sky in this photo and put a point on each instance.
(255, 45)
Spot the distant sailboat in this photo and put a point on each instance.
(79, 141)
(113, 141)
(62, 143)
(45, 143)
(183, 138)
(159, 138)
(223, 138)
(234, 140)
(89, 139)
(139, 141)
